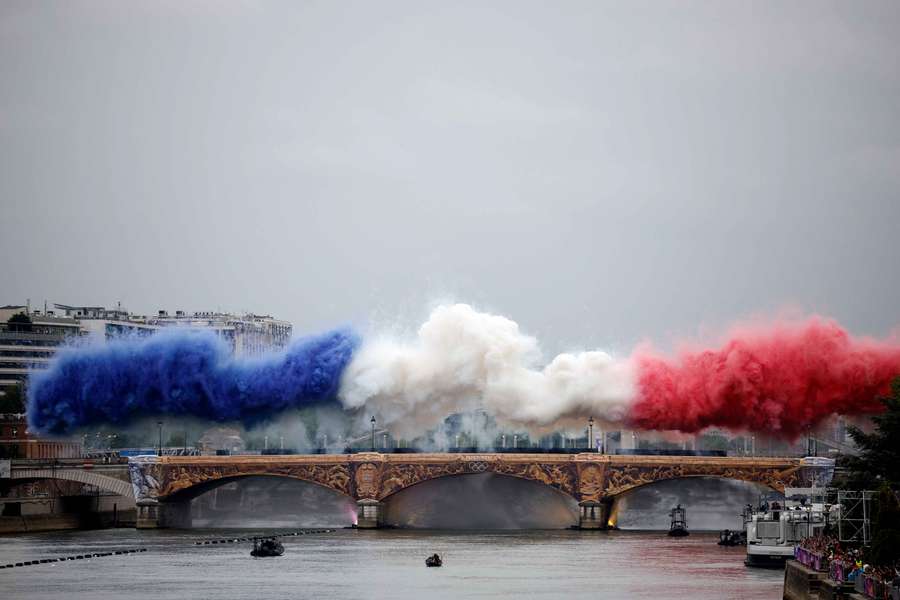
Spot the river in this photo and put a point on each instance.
(384, 564)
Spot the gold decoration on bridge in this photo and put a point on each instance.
(401, 476)
(591, 482)
(623, 478)
(376, 476)
(367, 481)
(179, 478)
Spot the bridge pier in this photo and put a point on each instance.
(593, 514)
(369, 514)
(152, 514)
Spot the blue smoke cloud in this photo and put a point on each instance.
(186, 373)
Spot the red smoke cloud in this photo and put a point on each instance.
(779, 381)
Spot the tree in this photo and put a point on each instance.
(12, 400)
(879, 459)
(886, 527)
(19, 322)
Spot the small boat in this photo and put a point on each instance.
(269, 547)
(433, 561)
(732, 538)
(678, 527)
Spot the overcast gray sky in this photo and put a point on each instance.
(600, 172)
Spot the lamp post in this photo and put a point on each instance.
(372, 421)
(590, 431)
(159, 427)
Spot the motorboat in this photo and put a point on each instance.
(267, 547)
(732, 537)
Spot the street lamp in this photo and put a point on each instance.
(159, 426)
(372, 421)
(590, 431)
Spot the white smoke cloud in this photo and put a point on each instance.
(462, 360)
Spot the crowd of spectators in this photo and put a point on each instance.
(830, 548)
(849, 561)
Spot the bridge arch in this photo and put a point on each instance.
(484, 500)
(624, 478)
(189, 493)
(184, 482)
(711, 502)
(98, 480)
(558, 476)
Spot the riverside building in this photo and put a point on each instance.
(246, 334)
(30, 338)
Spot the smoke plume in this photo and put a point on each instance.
(462, 360)
(179, 373)
(782, 379)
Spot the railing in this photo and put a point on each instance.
(874, 588)
(839, 571)
(846, 573)
(810, 559)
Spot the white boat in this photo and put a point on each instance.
(779, 525)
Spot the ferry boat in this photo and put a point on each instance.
(778, 525)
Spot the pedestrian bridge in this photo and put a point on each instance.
(164, 486)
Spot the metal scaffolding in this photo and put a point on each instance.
(854, 522)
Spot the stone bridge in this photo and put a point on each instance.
(112, 479)
(164, 486)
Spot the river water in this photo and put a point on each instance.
(384, 564)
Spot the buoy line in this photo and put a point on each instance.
(41, 561)
(262, 537)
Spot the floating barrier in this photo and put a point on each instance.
(262, 537)
(42, 561)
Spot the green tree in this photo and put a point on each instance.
(12, 400)
(19, 322)
(879, 458)
(886, 528)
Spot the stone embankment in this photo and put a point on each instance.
(61, 522)
(803, 583)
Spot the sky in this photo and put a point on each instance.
(601, 172)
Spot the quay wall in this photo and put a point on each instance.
(64, 522)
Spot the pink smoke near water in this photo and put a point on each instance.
(781, 380)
